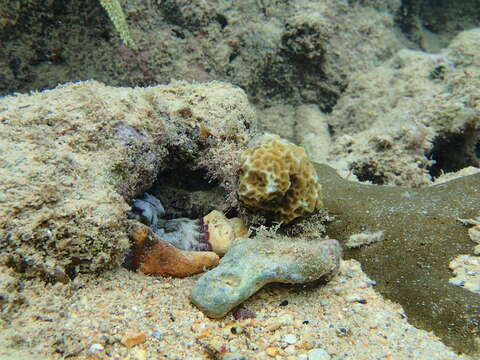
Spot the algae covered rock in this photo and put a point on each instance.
(72, 159)
(421, 236)
(252, 263)
(297, 51)
(411, 118)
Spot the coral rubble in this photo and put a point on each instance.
(252, 263)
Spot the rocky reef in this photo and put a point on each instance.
(412, 118)
(383, 91)
(74, 157)
(300, 51)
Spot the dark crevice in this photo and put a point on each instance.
(453, 152)
(189, 180)
(419, 20)
(367, 172)
(188, 193)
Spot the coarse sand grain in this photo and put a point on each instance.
(88, 318)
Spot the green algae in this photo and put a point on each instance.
(252, 263)
(421, 236)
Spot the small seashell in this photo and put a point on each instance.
(153, 256)
(220, 232)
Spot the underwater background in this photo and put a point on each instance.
(104, 100)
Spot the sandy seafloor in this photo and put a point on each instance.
(345, 319)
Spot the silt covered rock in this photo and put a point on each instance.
(73, 158)
(252, 263)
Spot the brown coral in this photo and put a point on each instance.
(277, 178)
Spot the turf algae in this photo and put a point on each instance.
(421, 236)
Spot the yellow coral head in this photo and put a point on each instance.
(277, 178)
